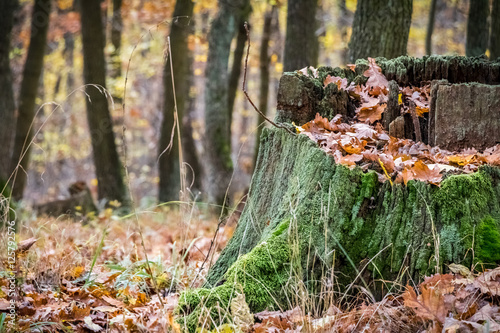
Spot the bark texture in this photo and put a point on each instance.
(219, 165)
(495, 31)
(308, 219)
(301, 42)
(477, 28)
(27, 96)
(169, 171)
(7, 104)
(108, 167)
(454, 106)
(380, 29)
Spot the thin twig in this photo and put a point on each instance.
(245, 89)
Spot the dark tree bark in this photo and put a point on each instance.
(108, 167)
(169, 161)
(477, 28)
(7, 104)
(380, 29)
(219, 165)
(116, 38)
(430, 27)
(264, 61)
(27, 96)
(495, 31)
(301, 42)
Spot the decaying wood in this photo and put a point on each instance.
(464, 115)
(80, 203)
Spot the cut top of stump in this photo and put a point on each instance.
(464, 103)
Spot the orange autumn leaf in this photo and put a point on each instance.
(461, 160)
(340, 82)
(422, 172)
(428, 305)
(371, 113)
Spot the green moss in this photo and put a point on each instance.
(487, 249)
(261, 275)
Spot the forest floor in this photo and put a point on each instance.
(74, 277)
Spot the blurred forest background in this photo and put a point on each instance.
(138, 77)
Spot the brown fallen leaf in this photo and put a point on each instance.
(371, 113)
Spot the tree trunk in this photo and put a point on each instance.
(7, 104)
(343, 25)
(477, 28)
(219, 165)
(234, 77)
(108, 167)
(27, 96)
(308, 220)
(301, 42)
(116, 39)
(495, 31)
(169, 160)
(430, 27)
(264, 62)
(380, 29)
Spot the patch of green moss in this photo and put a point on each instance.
(261, 275)
(487, 249)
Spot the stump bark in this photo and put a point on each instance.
(310, 223)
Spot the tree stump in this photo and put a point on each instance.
(311, 224)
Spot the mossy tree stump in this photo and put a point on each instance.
(307, 217)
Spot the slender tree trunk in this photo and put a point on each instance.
(27, 96)
(264, 61)
(239, 51)
(219, 165)
(69, 59)
(301, 42)
(194, 170)
(342, 23)
(116, 38)
(430, 27)
(380, 29)
(477, 28)
(108, 167)
(7, 104)
(495, 31)
(169, 161)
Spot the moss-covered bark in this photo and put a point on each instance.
(305, 213)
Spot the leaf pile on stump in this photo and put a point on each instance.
(365, 143)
